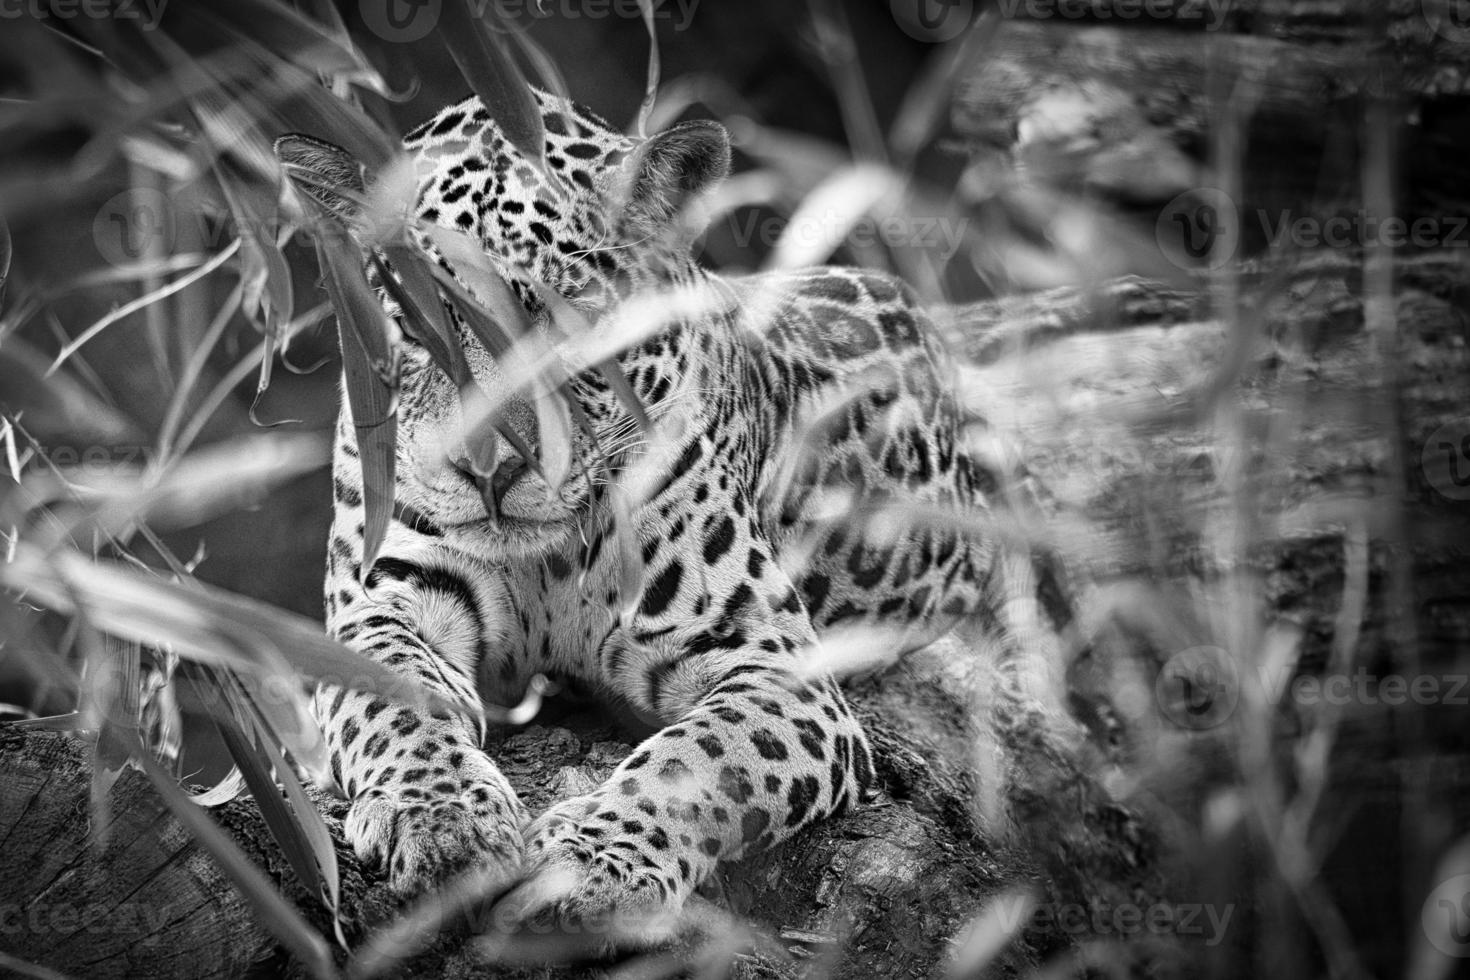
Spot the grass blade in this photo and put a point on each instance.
(474, 44)
(275, 914)
(205, 625)
(370, 367)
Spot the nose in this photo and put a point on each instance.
(494, 486)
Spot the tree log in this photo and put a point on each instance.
(877, 893)
(1101, 104)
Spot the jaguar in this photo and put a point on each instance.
(805, 471)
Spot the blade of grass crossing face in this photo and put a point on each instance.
(554, 429)
(476, 318)
(422, 311)
(573, 324)
(369, 366)
(476, 271)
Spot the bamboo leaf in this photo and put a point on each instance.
(272, 910)
(474, 42)
(5, 251)
(222, 792)
(195, 488)
(370, 367)
(476, 318)
(279, 818)
(572, 323)
(650, 85)
(55, 406)
(264, 273)
(294, 822)
(410, 284)
(283, 710)
(554, 432)
(205, 625)
(831, 211)
(313, 830)
(475, 270)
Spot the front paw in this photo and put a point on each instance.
(433, 823)
(603, 863)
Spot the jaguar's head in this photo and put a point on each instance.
(601, 216)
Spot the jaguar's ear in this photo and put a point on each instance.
(327, 174)
(670, 169)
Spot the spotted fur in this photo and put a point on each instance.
(779, 397)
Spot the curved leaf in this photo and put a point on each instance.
(370, 368)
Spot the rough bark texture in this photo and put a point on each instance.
(145, 902)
